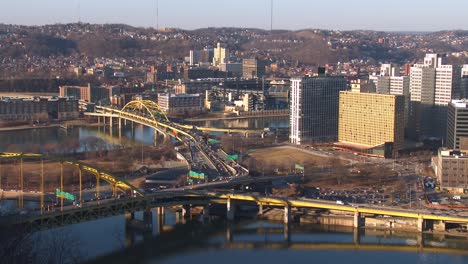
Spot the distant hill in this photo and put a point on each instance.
(304, 46)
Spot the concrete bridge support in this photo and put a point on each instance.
(287, 233)
(260, 209)
(148, 220)
(186, 211)
(357, 220)
(420, 225)
(229, 229)
(230, 210)
(161, 219)
(287, 214)
(206, 211)
(420, 239)
(357, 236)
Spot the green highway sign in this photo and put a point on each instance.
(65, 195)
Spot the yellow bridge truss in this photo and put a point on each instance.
(151, 108)
(115, 182)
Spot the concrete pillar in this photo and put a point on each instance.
(156, 137)
(420, 225)
(148, 220)
(206, 211)
(230, 210)
(229, 229)
(420, 239)
(161, 219)
(111, 121)
(120, 123)
(260, 209)
(287, 232)
(357, 220)
(357, 236)
(287, 214)
(186, 212)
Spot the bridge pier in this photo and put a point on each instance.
(287, 214)
(148, 220)
(186, 211)
(206, 211)
(230, 209)
(229, 229)
(357, 220)
(287, 232)
(420, 239)
(161, 219)
(260, 209)
(357, 236)
(420, 225)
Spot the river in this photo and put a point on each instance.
(109, 240)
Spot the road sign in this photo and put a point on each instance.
(65, 195)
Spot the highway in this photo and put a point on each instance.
(201, 153)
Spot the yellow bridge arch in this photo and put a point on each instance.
(114, 181)
(151, 108)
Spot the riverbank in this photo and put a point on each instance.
(79, 122)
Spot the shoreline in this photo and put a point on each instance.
(69, 122)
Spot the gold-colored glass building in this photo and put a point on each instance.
(371, 122)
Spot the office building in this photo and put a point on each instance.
(432, 86)
(181, 103)
(451, 169)
(253, 68)
(371, 123)
(314, 108)
(362, 86)
(89, 93)
(38, 109)
(221, 55)
(233, 67)
(457, 125)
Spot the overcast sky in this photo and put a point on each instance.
(394, 15)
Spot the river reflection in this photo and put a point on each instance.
(42, 140)
(260, 241)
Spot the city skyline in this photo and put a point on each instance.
(363, 14)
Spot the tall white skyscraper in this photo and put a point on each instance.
(432, 86)
(433, 82)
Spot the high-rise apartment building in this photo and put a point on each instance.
(221, 55)
(369, 122)
(432, 86)
(457, 125)
(314, 108)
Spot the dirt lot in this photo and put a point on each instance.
(283, 159)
